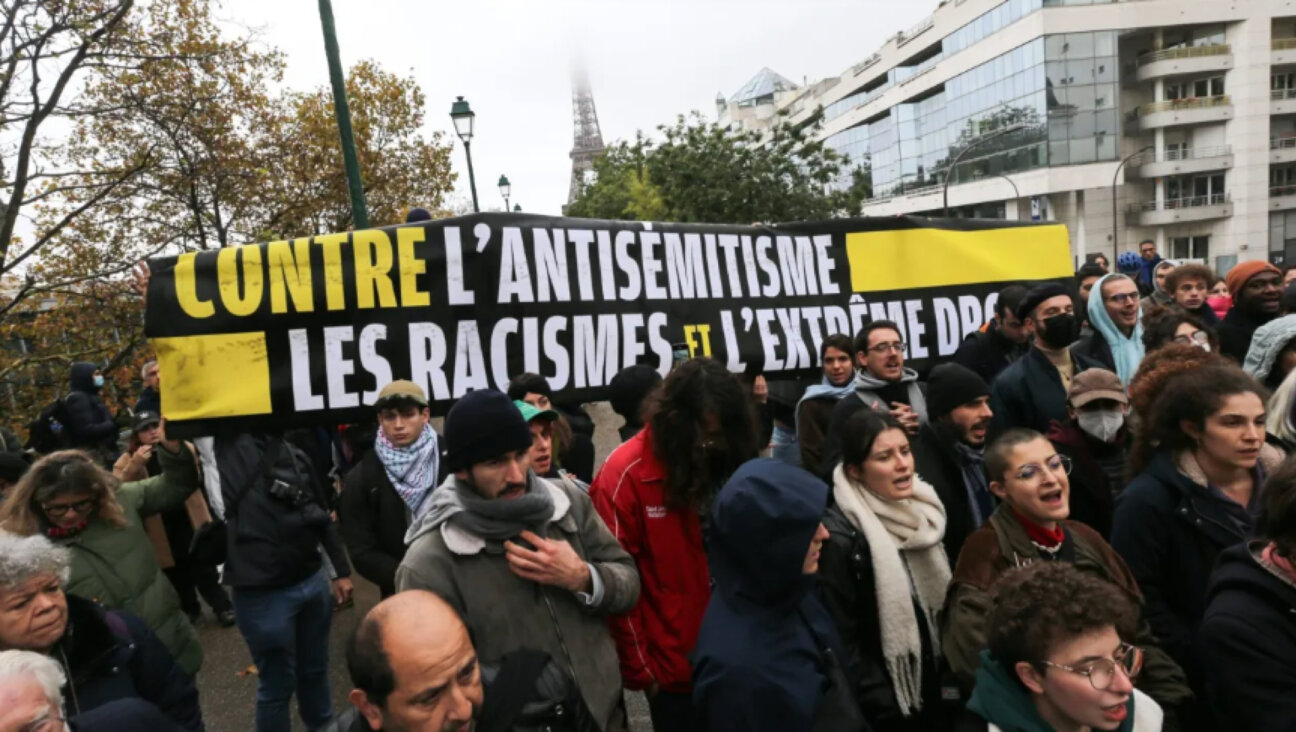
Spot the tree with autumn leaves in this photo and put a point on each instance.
(146, 129)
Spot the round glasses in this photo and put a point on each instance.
(1198, 337)
(1055, 464)
(60, 509)
(1102, 672)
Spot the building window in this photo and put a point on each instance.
(1190, 247)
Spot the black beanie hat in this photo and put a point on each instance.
(483, 425)
(1037, 295)
(952, 385)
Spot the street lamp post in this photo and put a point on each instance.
(949, 172)
(1115, 215)
(355, 188)
(505, 188)
(463, 117)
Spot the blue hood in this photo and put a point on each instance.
(82, 377)
(762, 524)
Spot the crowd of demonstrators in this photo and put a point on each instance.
(655, 493)
(948, 450)
(882, 383)
(172, 531)
(387, 490)
(1032, 391)
(1255, 289)
(526, 561)
(884, 573)
(574, 431)
(1059, 656)
(1096, 439)
(102, 656)
(1002, 341)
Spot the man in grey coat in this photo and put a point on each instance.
(526, 562)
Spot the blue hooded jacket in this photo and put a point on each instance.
(763, 650)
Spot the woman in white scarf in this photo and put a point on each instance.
(884, 574)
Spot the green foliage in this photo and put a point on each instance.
(700, 172)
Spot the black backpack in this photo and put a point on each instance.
(527, 691)
(48, 432)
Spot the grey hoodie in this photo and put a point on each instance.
(866, 387)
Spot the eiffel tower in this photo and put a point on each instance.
(587, 140)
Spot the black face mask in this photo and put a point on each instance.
(1059, 331)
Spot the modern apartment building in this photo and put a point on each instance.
(1171, 120)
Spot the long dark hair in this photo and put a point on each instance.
(696, 389)
(1191, 396)
(860, 432)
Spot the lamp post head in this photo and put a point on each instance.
(505, 187)
(463, 117)
(517, 208)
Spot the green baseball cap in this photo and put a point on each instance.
(530, 412)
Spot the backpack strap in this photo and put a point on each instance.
(269, 455)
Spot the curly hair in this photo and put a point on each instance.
(1161, 365)
(57, 474)
(1190, 396)
(1190, 271)
(1160, 324)
(1043, 604)
(25, 557)
(699, 389)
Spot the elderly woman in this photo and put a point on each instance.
(106, 656)
(69, 498)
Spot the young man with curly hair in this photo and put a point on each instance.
(1059, 659)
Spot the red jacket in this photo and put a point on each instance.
(655, 639)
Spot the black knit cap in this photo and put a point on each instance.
(483, 425)
(952, 385)
(1037, 295)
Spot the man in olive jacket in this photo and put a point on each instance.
(526, 562)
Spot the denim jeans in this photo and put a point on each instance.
(287, 631)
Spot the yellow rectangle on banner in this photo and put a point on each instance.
(905, 259)
(223, 375)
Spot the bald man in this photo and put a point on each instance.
(414, 668)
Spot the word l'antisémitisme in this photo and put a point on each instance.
(379, 269)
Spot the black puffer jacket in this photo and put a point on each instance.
(109, 656)
(90, 425)
(1248, 637)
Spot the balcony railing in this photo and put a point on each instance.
(1173, 154)
(1287, 190)
(1168, 105)
(1171, 204)
(1284, 44)
(1280, 143)
(1279, 95)
(1168, 54)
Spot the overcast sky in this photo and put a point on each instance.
(511, 59)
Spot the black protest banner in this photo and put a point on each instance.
(308, 331)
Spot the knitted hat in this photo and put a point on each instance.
(952, 385)
(629, 387)
(1037, 295)
(1237, 277)
(483, 425)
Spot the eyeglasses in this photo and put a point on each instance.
(1121, 298)
(898, 347)
(1102, 672)
(1198, 336)
(60, 509)
(1055, 464)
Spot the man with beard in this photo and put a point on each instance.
(882, 384)
(948, 450)
(1095, 439)
(989, 351)
(525, 561)
(655, 492)
(1031, 393)
(1117, 340)
(1256, 289)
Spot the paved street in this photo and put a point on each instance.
(229, 699)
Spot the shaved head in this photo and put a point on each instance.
(414, 666)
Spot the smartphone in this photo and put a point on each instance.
(680, 353)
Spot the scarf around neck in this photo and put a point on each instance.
(909, 564)
(1047, 539)
(972, 463)
(819, 391)
(457, 503)
(412, 469)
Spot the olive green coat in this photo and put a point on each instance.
(117, 566)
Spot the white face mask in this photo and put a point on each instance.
(1102, 424)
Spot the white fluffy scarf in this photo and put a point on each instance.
(909, 563)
